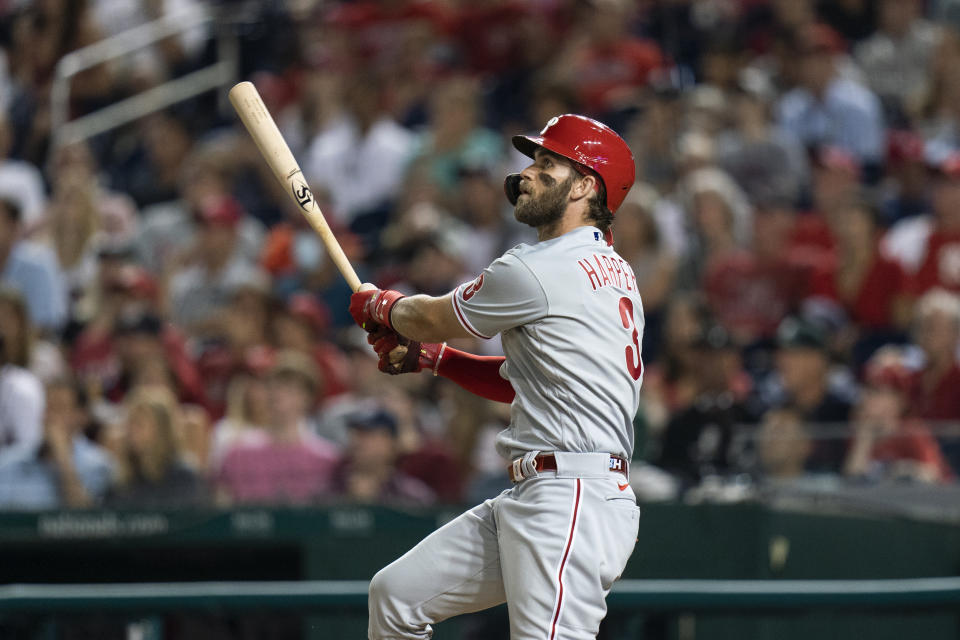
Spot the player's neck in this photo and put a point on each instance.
(571, 220)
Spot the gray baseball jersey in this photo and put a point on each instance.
(553, 545)
(571, 322)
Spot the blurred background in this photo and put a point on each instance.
(183, 396)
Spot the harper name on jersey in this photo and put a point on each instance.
(571, 322)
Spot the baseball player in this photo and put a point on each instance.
(571, 322)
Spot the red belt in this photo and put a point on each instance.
(548, 462)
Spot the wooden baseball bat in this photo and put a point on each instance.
(258, 121)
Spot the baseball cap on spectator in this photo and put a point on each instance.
(307, 308)
(297, 366)
(221, 211)
(904, 146)
(887, 370)
(373, 419)
(819, 38)
(834, 158)
(136, 281)
(794, 333)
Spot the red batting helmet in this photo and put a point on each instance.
(588, 143)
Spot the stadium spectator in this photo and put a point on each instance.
(368, 472)
(669, 381)
(204, 179)
(360, 158)
(23, 347)
(869, 287)
(803, 371)
(896, 59)
(84, 217)
(124, 350)
(200, 292)
(32, 269)
(751, 290)
(886, 445)
(929, 247)
(284, 461)
(20, 182)
(456, 137)
(699, 440)
(21, 412)
(247, 405)
(68, 470)
(151, 471)
(936, 331)
(827, 108)
(905, 193)
(304, 326)
(783, 447)
(768, 163)
(603, 61)
(719, 218)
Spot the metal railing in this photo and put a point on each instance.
(218, 74)
(648, 595)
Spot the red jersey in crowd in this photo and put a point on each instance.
(941, 263)
(872, 305)
(914, 443)
(749, 296)
(602, 72)
(939, 401)
(810, 239)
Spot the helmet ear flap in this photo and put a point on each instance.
(511, 187)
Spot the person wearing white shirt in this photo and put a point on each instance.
(21, 411)
(828, 108)
(362, 157)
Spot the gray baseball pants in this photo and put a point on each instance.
(550, 547)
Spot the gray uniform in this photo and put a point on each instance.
(571, 323)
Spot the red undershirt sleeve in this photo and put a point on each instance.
(477, 374)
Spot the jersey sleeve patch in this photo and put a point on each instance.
(506, 295)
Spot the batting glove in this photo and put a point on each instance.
(401, 355)
(372, 307)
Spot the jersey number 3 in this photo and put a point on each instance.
(631, 351)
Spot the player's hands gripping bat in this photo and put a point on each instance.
(371, 307)
(399, 355)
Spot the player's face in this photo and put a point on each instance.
(543, 191)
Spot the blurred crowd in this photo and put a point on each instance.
(173, 333)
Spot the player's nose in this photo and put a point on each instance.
(528, 175)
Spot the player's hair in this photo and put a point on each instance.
(598, 212)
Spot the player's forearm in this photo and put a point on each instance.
(479, 375)
(426, 319)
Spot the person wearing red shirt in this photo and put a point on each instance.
(751, 292)
(886, 444)
(836, 178)
(868, 285)
(939, 265)
(934, 392)
(606, 64)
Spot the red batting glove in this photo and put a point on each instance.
(372, 307)
(418, 355)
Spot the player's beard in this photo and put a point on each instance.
(546, 208)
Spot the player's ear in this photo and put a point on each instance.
(582, 187)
